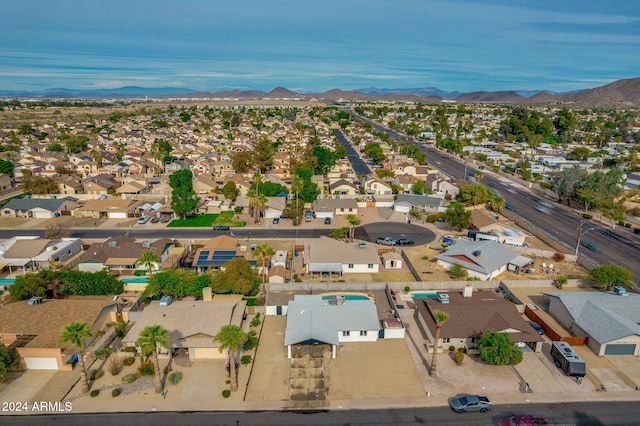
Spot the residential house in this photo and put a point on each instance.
(377, 187)
(506, 234)
(328, 256)
(122, 253)
(131, 186)
(423, 203)
(204, 185)
(24, 253)
(192, 324)
(611, 322)
(470, 315)
(34, 330)
(275, 207)
(313, 319)
(100, 185)
(110, 208)
(330, 207)
(343, 187)
(404, 181)
(482, 259)
(39, 208)
(69, 184)
(5, 182)
(218, 251)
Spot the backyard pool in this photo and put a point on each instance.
(345, 296)
(425, 295)
(8, 281)
(135, 280)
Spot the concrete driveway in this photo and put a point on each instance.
(27, 386)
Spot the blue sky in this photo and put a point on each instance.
(313, 46)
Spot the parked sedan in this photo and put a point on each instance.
(468, 403)
(404, 242)
(536, 327)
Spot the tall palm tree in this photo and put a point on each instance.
(150, 338)
(353, 222)
(264, 252)
(478, 176)
(147, 259)
(231, 337)
(440, 317)
(497, 203)
(76, 333)
(257, 202)
(296, 186)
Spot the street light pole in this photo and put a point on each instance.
(580, 234)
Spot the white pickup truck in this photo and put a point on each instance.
(387, 241)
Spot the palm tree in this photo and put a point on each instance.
(148, 258)
(76, 333)
(497, 203)
(264, 251)
(257, 202)
(353, 221)
(478, 176)
(440, 317)
(296, 186)
(150, 338)
(231, 337)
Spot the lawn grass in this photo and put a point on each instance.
(193, 221)
(207, 220)
(226, 218)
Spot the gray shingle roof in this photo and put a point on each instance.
(309, 317)
(605, 317)
(481, 256)
(51, 204)
(419, 200)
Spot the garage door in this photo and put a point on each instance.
(626, 349)
(41, 363)
(207, 353)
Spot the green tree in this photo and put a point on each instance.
(297, 184)
(40, 185)
(6, 167)
(498, 349)
(580, 153)
(458, 217)
(608, 276)
(183, 197)
(440, 317)
(76, 333)
(55, 147)
(264, 154)
(353, 222)
(264, 252)
(230, 190)
(151, 337)
(237, 277)
(339, 233)
(385, 173)
(230, 337)
(496, 203)
(76, 144)
(28, 286)
(613, 211)
(325, 159)
(148, 258)
(374, 152)
(241, 161)
(309, 191)
(473, 194)
(565, 182)
(419, 187)
(7, 358)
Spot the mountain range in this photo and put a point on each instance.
(621, 93)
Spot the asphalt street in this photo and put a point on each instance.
(358, 164)
(583, 413)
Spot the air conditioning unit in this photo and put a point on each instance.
(444, 298)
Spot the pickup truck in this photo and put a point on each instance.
(386, 241)
(465, 403)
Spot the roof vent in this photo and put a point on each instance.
(146, 244)
(476, 253)
(113, 244)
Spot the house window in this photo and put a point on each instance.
(346, 333)
(351, 266)
(363, 333)
(446, 340)
(342, 209)
(370, 266)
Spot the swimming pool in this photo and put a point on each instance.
(8, 281)
(346, 297)
(425, 295)
(135, 280)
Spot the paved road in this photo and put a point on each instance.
(583, 413)
(359, 166)
(560, 224)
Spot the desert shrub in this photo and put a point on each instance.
(129, 348)
(627, 225)
(425, 258)
(121, 330)
(175, 377)
(561, 280)
(146, 369)
(129, 378)
(587, 216)
(140, 272)
(407, 288)
(96, 374)
(636, 230)
(255, 322)
(459, 357)
(103, 353)
(116, 392)
(245, 360)
(114, 366)
(452, 348)
(252, 341)
(167, 369)
(95, 393)
(463, 350)
(558, 257)
(226, 393)
(228, 382)
(129, 361)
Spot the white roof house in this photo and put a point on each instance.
(331, 256)
(317, 319)
(483, 259)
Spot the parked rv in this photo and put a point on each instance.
(568, 360)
